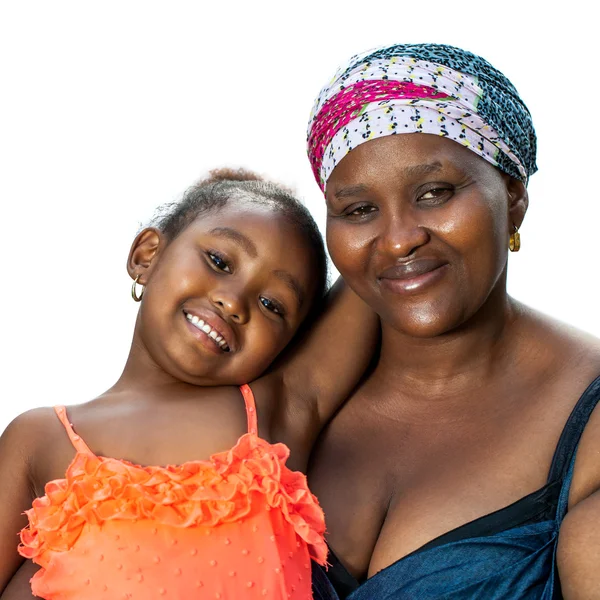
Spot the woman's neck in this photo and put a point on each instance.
(447, 364)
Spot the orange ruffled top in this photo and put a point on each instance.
(239, 525)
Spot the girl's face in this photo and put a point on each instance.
(226, 296)
(419, 227)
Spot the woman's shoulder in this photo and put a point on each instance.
(558, 341)
(572, 358)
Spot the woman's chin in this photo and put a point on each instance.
(424, 325)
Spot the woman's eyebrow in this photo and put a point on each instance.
(423, 169)
(351, 191)
(238, 237)
(292, 283)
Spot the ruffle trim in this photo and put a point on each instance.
(205, 493)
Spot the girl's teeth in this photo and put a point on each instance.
(198, 322)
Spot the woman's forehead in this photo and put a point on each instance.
(406, 157)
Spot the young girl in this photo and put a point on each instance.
(178, 484)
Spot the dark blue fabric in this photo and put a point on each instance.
(492, 558)
(321, 586)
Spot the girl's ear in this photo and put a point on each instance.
(144, 253)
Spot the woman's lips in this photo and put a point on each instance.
(413, 276)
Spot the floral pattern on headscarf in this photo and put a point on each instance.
(422, 88)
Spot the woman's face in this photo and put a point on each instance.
(419, 227)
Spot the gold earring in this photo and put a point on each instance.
(134, 293)
(514, 245)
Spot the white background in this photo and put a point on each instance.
(111, 108)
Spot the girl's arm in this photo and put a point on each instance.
(316, 374)
(17, 448)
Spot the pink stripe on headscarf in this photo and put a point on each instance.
(347, 104)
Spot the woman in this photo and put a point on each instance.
(451, 470)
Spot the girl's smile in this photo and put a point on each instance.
(211, 330)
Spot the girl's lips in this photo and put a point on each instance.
(208, 326)
(205, 328)
(203, 339)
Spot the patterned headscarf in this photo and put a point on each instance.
(422, 88)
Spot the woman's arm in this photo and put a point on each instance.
(578, 553)
(17, 447)
(19, 587)
(323, 367)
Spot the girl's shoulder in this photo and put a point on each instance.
(32, 429)
(37, 439)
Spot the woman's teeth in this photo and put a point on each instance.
(213, 334)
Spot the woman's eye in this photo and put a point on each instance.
(219, 262)
(436, 195)
(272, 306)
(360, 211)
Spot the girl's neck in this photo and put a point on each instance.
(447, 364)
(144, 377)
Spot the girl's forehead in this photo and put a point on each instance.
(244, 215)
(258, 230)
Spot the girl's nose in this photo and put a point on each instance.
(231, 304)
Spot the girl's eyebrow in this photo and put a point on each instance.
(238, 237)
(292, 283)
(248, 245)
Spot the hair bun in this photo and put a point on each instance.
(227, 174)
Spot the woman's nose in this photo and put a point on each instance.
(402, 236)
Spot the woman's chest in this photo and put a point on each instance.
(389, 485)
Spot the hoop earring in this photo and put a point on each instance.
(514, 244)
(134, 293)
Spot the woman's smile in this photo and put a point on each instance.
(413, 276)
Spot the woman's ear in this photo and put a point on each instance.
(518, 200)
(144, 253)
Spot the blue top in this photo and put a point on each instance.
(507, 554)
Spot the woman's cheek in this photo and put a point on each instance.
(346, 245)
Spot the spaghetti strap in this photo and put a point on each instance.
(571, 434)
(78, 443)
(250, 408)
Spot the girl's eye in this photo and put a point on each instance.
(220, 263)
(272, 306)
